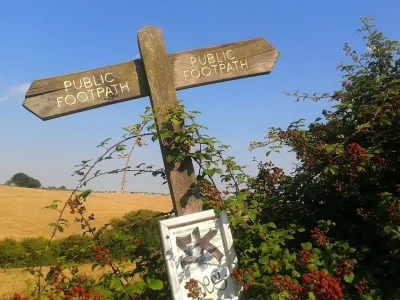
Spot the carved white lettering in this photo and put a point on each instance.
(66, 101)
(214, 63)
(99, 91)
(210, 58)
(97, 88)
(218, 57)
(205, 60)
(194, 71)
(95, 83)
(115, 87)
(85, 95)
(67, 84)
(87, 82)
(58, 101)
(80, 81)
(124, 86)
(91, 91)
(244, 63)
(108, 91)
(235, 62)
(215, 69)
(203, 71)
(108, 80)
(227, 55)
(185, 74)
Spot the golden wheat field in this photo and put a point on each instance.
(18, 280)
(22, 214)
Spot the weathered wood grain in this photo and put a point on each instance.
(46, 97)
(224, 62)
(181, 176)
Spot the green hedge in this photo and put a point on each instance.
(76, 248)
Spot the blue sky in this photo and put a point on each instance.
(40, 39)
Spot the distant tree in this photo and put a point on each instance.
(62, 187)
(23, 180)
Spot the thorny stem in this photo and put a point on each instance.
(138, 138)
(73, 193)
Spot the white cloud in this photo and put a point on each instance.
(16, 93)
(137, 56)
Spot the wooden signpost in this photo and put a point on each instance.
(158, 75)
(68, 94)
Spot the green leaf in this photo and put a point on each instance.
(52, 206)
(139, 287)
(209, 172)
(60, 229)
(154, 284)
(333, 170)
(270, 225)
(85, 194)
(387, 229)
(178, 139)
(301, 229)
(116, 283)
(127, 289)
(289, 266)
(106, 293)
(306, 246)
(170, 159)
(349, 278)
(275, 247)
(295, 273)
(264, 260)
(284, 295)
(311, 296)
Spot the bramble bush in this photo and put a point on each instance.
(329, 230)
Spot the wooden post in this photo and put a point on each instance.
(160, 77)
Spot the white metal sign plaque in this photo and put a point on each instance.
(199, 246)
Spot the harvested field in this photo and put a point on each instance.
(22, 214)
(18, 280)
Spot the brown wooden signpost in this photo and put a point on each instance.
(158, 75)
